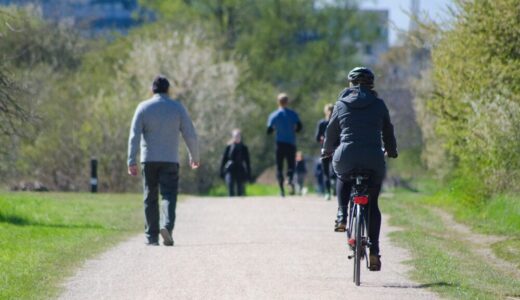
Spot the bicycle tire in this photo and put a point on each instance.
(358, 251)
(351, 222)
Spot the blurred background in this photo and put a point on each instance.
(73, 71)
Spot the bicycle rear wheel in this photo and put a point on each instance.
(358, 250)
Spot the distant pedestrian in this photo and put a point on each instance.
(328, 173)
(286, 123)
(300, 172)
(318, 174)
(235, 167)
(156, 125)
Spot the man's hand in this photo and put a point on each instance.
(195, 165)
(132, 170)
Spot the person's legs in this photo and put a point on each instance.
(279, 166)
(151, 201)
(240, 187)
(326, 175)
(343, 192)
(230, 184)
(374, 226)
(300, 179)
(290, 155)
(168, 180)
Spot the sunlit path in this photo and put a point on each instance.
(244, 248)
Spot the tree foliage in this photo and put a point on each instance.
(226, 59)
(476, 92)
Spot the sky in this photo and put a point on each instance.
(435, 9)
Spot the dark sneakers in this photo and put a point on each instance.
(167, 237)
(375, 262)
(340, 227)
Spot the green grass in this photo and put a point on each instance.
(44, 236)
(498, 215)
(441, 261)
(509, 250)
(251, 190)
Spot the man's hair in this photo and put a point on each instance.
(160, 85)
(283, 99)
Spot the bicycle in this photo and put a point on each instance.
(358, 222)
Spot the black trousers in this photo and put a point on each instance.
(235, 184)
(160, 177)
(374, 215)
(284, 152)
(326, 166)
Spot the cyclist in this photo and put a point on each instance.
(360, 120)
(286, 123)
(320, 137)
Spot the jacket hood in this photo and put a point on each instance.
(357, 97)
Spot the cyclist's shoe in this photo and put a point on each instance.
(375, 262)
(167, 237)
(340, 227)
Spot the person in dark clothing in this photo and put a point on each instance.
(235, 167)
(325, 162)
(318, 174)
(300, 172)
(286, 123)
(360, 120)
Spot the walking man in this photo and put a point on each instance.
(286, 123)
(156, 125)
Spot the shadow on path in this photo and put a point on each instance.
(418, 286)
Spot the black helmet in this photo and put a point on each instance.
(361, 76)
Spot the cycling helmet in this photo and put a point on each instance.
(361, 76)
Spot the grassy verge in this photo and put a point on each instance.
(441, 260)
(43, 237)
(251, 190)
(499, 215)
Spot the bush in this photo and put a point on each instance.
(476, 96)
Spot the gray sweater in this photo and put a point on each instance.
(159, 120)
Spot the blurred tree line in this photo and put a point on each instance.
(72, 98)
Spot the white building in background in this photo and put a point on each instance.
(372, 50)
(89, 15)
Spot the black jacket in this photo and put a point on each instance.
(362, 122)
(236, 161)
(320, 130)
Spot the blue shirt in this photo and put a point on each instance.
(284, 122)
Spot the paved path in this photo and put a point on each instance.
(245, 248)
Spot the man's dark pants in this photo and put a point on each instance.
(285, 151)
(160, 177)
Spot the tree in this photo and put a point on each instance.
(476, 96)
